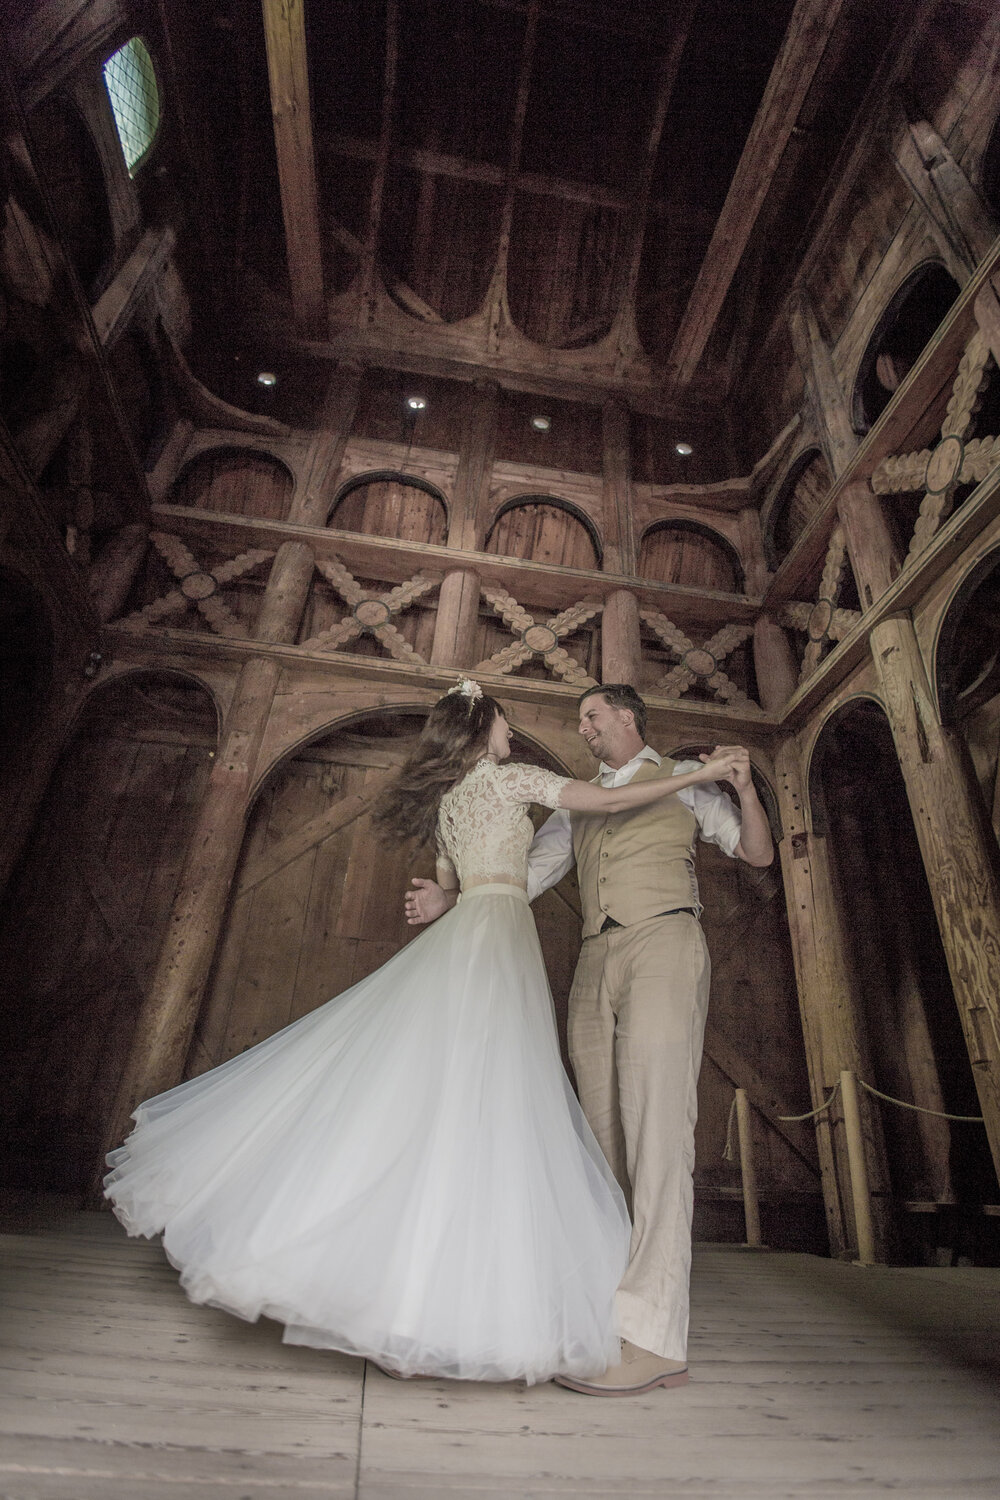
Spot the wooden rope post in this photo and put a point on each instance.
(860, 1191)
(748, 1170)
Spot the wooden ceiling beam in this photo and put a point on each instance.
(288, 72)
(806, 39)
(369, 261)
(627, 337)
(462, 169)
(496, 299)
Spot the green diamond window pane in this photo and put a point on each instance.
(135, 99)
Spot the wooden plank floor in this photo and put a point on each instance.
(809, 1379)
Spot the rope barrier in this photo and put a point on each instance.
(729, 1150)
(810, 1114)
(920, 1108)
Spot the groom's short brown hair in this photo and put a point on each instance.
(620, 695)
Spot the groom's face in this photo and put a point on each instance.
(608, 731)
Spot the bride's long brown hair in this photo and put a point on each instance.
(454, 737)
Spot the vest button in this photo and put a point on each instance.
(603, 879)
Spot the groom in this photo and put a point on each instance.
(637, 1008)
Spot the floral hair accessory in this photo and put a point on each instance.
(468, 689)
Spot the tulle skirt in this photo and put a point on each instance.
(404, 1174)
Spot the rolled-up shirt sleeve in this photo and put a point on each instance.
(551, 853)
(719, 822)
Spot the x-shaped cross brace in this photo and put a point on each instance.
(198, 586)
(698, 663)
(533, 639)
(823, 622)
(939, 471)
(371, 613)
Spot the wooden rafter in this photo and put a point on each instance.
(666, 79)
(288, 71)
(377, 199)
(802, 50)
(497, 295)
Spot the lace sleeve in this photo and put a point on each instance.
(520, 784)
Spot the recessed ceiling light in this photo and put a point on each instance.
(541, 423)
(416, 403)
(684, 449)
(267, 377)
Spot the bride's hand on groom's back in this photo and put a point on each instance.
(426, 903)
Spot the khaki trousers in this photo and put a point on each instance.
(637, 1014)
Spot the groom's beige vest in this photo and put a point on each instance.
(635, 865)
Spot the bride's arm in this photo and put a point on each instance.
(585, 796)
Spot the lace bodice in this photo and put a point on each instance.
(483, 831)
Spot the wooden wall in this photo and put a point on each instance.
(85, 913)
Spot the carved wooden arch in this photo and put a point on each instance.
(518, 502)
(387, 476)
(335, 723)
(781, 494)
(950, 621)
(761, 779)
(888, 320)
(117, 673)
(810, 764)
(225, 450)
(725, 546)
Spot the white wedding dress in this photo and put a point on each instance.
(405, 1173)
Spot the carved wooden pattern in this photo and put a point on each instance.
(940, 470)
(198, 586)
(372, 613)
(823, 622)
(539, 639)
(698, 663)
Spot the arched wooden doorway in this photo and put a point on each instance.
(85, 912)
(317, 902)
(753, 1041)
(910, 1036)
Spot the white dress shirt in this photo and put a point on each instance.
(551, 852)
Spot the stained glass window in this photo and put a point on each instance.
(130, 80)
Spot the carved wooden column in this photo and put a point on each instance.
(774, 661)
(875, 557)
(826, 394)
(455, 628)
(168, 1015)
(774, 664)
(113, 570)
(313, 498)
(958, 850)
(616, 491)
(831, 1022)
(621, 654)
(475, 467)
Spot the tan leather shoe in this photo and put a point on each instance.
(638, 1371)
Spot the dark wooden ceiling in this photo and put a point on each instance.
(583, 191)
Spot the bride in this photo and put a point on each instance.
(405, 1173)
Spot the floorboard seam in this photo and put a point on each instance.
(361, 1430)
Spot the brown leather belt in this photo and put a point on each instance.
(676, 911)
